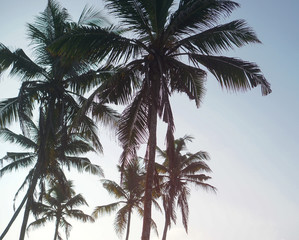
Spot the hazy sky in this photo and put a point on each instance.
(252, 140)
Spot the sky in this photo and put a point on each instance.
(252, 139)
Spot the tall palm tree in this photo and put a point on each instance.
(130, 194)
(164, 47)
(57, 156)
(53, 83)
(59, 204)
(188, 168)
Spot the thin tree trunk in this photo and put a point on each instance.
(128, 225)
(44, 133)
(29, 200)
(150, 174)
(166, 225)
(15, 215)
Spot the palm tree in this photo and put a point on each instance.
(60, 155)
(55, 84)
(187, 169)
(130, 194)
(59, 203)
(163, 47)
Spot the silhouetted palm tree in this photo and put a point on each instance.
(54, 157)
(130, 194)
(58, 204)
(53, 83)
(164, 48)
(187, 168)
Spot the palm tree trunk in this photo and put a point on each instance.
(166, 225)
(14, 217)
(56, 227)
(128, 225)
(44, 133)
(150, 174)
(30, 199)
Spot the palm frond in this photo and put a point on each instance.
(82, 83)
(75, 147)
(187, 79)
(219, 38)
(95, 43)
(47, 27)
(121, 219)
(80, 215)
(20, 63)
(109, 208)
(183, 203)
(197, 15)
(114, 189)
(83, 165)
(67, 228)
(23, 162)
(88, 130)
(76, 201)
(105, 115)
(234, 74)
(38, 209)
(195, 167)
(38, 223)
(133, 14)
(9, 111)
(93, 17)
(19, 139)
(198, 181)
(133, 128)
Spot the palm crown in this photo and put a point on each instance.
(130, 195)
(59, 203)
(188, 168)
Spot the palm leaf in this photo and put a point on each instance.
(96, 43)
(19, 62)
(121, 219)
(109, 208)
(114, 189)
(17, 138)
(132, 13)
(221, 37)
(24, 161)
(195, 167)
(133, 128)
(91, 16)
(197, 15)
(183, 203)
(76, 201)
(80, 215)
(84, 165)
(38, 223)
(234, 74)
(187, 79)
(9, 111)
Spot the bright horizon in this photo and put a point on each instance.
(252, 140)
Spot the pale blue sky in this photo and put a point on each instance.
(252, 140)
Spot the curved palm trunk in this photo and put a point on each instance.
(128, 225)
(150, 174)
(14, 217)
